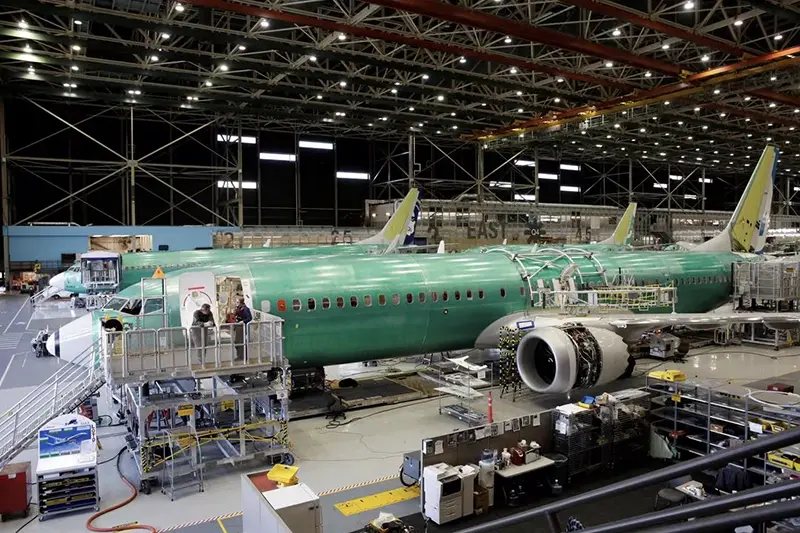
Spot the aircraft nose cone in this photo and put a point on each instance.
(52, 344)
(58, 282)
(72, 340)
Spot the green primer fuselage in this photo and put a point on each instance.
(479, 288)
(136, 266)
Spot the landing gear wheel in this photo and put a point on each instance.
(144, 487)
(288, 459)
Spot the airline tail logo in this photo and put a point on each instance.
(411, 229)
(748, 227)
(624, 232)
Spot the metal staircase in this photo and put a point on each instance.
(184, 465)
(61, 393)
(44, 294)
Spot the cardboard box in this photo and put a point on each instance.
(481, 500)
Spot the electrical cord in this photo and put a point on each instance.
(135, 493)
(335, 424)
(28, 522)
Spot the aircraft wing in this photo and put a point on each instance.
(633, 325)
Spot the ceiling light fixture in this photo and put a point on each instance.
(609, 64)
(462, 59)
(556, 99)
(688, 5)
(154, 58)
(507, 40)
(425, 76)
(22, 24)
(738, 22)
(223, 68)
(28, 49)
(75, 68)
(208, 83)
(242, 48)
(76, 47)
(665, 46)
(648, 74)
(264, 23)
(513, 70)
(341, 36)
(343, 83)
(165, 35)
(778, 37)
(440, 97)
(704, 58)
(616, 32)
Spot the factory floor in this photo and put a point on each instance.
(368, 448)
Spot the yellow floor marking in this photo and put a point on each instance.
(376, 501)
(221, 526)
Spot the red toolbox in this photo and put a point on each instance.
(15, 490)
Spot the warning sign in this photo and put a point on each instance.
(185, 410)
(159, 273)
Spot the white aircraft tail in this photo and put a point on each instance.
(440, 249)
(623, 233)
(398, 224)
(747, 229)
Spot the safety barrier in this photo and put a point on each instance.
(198, 351)
(606, 299)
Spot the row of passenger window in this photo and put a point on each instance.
(699, 280)
(382, 300)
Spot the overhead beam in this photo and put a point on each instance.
(634, 17)
(534, 34)
(691, 85)
(417, 42)
(777, 10)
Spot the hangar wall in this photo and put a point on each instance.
(47, 243)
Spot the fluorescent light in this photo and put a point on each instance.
(565, 166)
(690, 197)
(501, 184)
(352, 175)
(316, 145)
(797, 188)
(675, 177)
(570, 188)
(525, 197)
(705, 180)
(277, 157)
(524, 163)
(227, 184)
(234, 138)
(547, 176)
(659, 185)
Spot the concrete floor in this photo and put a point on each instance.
(368, 448)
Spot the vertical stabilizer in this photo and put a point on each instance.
(398, 223)
(623, 234)
(747, 229)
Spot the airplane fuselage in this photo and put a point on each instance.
(360, 308)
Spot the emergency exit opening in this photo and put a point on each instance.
(121, 244)
(229, 290)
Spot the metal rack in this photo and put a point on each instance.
(624, 427)
(68, 492)
(460, 384)
(699, 418)
(577, 435)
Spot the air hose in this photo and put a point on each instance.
(127, 527)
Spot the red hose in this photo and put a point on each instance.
(131, 527)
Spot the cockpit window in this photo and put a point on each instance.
(131, 306)
(115, 304)
(74, 268)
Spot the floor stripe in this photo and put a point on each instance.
(377, 501)
(200, 522)
(221, 525)
(15, 316)
(356, 485)
(5, 372)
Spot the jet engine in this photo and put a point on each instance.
(555, 359)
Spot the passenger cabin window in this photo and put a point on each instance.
(395, 299)
(296, 305)
(422, 297)
(312, 304)
(522, 291)
(409, 298)
(381, 299)
(457, 295)
(340, 302)
(445, 296)
(469, 294)
(354, 301)
(326, 303)
(480, 294)
(367, 300)
(502, 292)
(434, 296)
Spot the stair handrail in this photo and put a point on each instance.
(68, 369)
(720, 458)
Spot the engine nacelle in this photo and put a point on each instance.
(555, 359)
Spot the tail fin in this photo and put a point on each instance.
(623, 234)
(747, 229)
(399, 223)
(440, 249)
